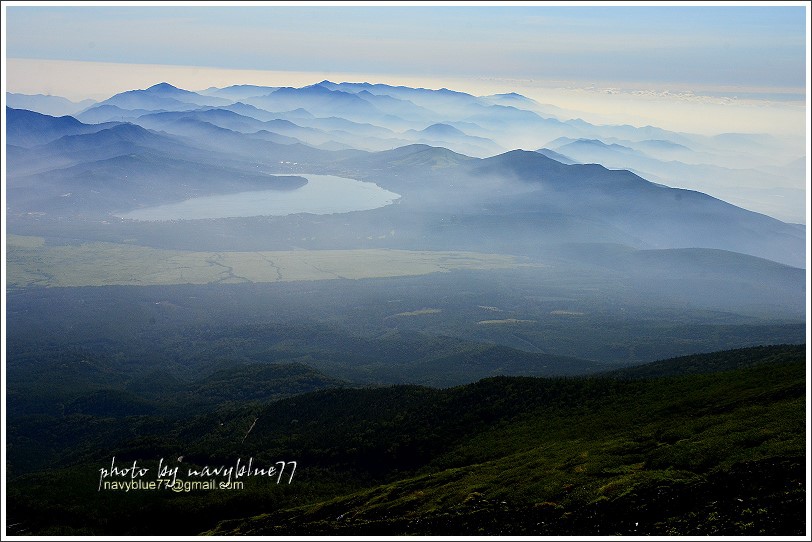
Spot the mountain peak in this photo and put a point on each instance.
(315, 89)
(442, 129)
(163, 87)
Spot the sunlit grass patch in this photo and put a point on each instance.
(31, 263)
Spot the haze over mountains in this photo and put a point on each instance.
(757, 172)
(446, 152)
(465, 268)
(72, 179)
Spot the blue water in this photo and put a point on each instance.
(322, 195)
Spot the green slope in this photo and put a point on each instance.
(719, 453)
(691, 454)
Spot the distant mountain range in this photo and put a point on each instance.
(443, 151)
(677, 165)
(749, 170)
(56, 106)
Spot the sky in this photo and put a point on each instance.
(708, 69)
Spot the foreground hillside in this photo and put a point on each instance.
(710, 454)
(666, 449)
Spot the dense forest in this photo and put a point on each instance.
(703, 444)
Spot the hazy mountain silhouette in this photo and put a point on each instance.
(238, 92)
(659, 216)
(108, 112)
(445, 135)
(27, 129)
(744, 187)
(318, 100)
(558, 157)
(162, 96)
(130, 181)
(519, 197)
(56, 106)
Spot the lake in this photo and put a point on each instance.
(322, 195)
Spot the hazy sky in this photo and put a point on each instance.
(650, 56)
(708, 46)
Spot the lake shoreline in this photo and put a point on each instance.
(321, 195)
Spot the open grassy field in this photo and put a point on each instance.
(30, 262)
